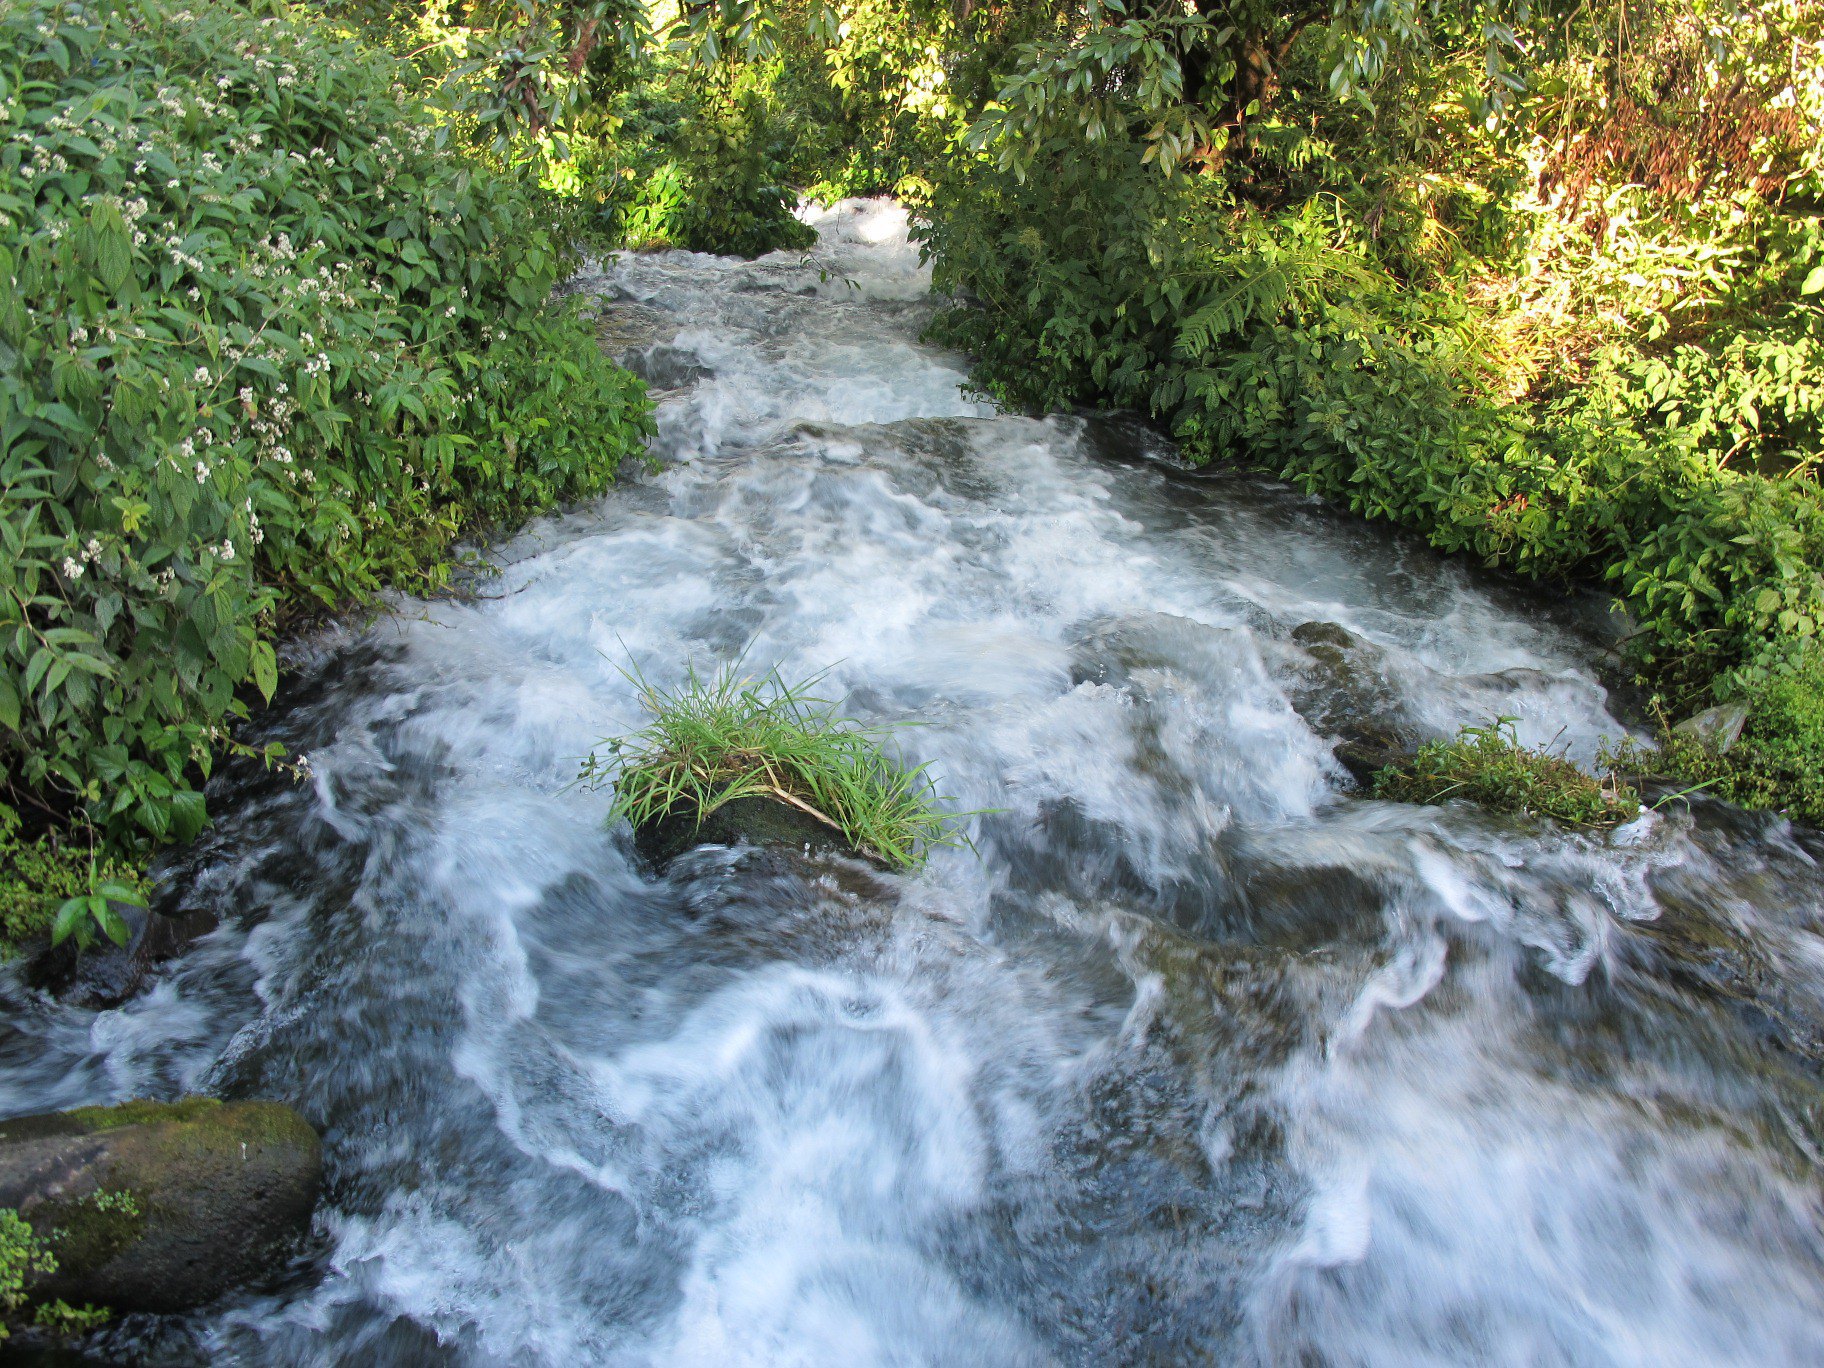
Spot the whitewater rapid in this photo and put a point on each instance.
(1198, 1056)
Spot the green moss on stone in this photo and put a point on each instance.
(144, 1112)
(86, 1232)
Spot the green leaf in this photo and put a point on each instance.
(72, 915)
(111, 921)
(265, 669)
(188, 815)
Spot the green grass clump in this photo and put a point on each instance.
(714, 740)
(1489, 766)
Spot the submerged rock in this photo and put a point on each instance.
(161, 1206)
(744, 821)
(667, 367)
(1344, 693)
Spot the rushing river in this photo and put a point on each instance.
(1201, 1057)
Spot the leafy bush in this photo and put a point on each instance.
(1286, 339)
(1776, 763)
(269, 341)
(41, 879)
(697, 163)
(715, 740)
(1489, 766)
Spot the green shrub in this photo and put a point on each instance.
(1776, 763)
(704, 170)
(1489, 766)
(715, 740)
(39, 878)
(269, 340)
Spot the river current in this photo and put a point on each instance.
(1198, 1057)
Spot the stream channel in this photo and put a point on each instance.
(1199, 1057)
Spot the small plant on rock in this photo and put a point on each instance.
(1488, 765)
(714, 740)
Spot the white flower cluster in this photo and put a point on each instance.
(175, 246)
(73, 566)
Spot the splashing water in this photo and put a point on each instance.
(1202, 1058)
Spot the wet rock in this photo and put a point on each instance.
(625, 328)
(1719, 727)
(745, 821)
(161, 1206)
(106, 975)
(1366, 753)
(1701, 951)
(1345, 693)
(666, 367)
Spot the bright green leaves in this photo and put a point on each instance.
(109, 246)
(198, 312)
(265, 669)
(82, 916)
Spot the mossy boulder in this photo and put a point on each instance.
(743, 821)
(161, 1206)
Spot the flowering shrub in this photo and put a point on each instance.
(266, 339)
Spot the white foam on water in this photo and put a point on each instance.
(1195, 1057)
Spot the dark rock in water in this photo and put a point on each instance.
(1699, 949)
(1346, 694)
(106, 975)
(161, 1206)
(1366, 753)
(749, 821)
(667, 367)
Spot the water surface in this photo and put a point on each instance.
(1202, 1058)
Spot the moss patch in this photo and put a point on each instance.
(89, 1120)
(144, 1111)
(86, 1232)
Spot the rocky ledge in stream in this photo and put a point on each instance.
(161, 1206)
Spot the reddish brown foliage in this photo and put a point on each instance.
(1670, 124)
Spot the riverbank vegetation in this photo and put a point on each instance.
(277, 331)
(1544, 282)
(1488, 766)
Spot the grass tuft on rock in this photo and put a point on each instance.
(1488, 766)
(713, 740)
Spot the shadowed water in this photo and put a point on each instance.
(1202, 1057)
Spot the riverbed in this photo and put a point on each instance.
(1198, 1055)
